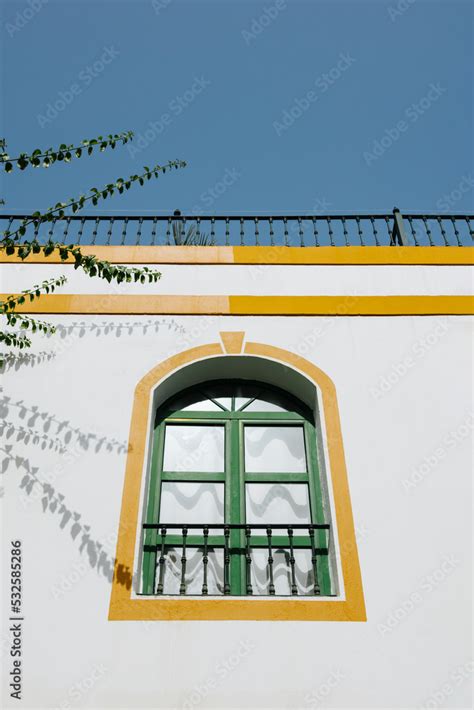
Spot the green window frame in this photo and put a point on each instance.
(233, 415)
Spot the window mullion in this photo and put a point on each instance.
(234, 498)
(317, 508)
(151, 536)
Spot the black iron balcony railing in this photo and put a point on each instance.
(252, 230)
(240, 542)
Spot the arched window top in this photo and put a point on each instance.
(235, 398)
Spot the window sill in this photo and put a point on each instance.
(236, 609)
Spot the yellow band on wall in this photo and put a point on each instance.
(113, 304)
(406, 256)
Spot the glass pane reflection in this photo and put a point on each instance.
(186, 502)
(277, 503)
(194, 448)
(194, 571)
(274, 448)
(304, 572)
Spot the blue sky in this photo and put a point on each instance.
(292, 106)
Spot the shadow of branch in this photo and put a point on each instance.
(69, 520)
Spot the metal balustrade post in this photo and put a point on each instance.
(314, 560)
(182, 586)
(205, 561)
(161, 563)
(248, 561)
(294, 588)
(226, 560)
(271, 585)
(398, 234)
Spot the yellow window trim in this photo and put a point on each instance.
(352, 255)
(123, 606)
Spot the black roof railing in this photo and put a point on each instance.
(392, 229)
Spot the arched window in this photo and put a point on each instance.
(235, 504)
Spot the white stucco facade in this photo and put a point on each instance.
(404, 391)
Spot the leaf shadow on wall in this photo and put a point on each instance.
(69, 520)
(46, 430)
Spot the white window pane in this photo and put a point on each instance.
(187, 502)
(259, 405)
(304, 572)
(194, 448)
(274, 448)
(194, 571)
(224, 402)
(240, 401)
(204, 405)
(277, 503)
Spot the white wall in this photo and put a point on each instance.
(404, 387)
(189, 279)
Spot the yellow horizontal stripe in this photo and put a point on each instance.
(136, 255)
(352, 305)
(354, 255)
(245, 609)
(443, 256)
(113, 304)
